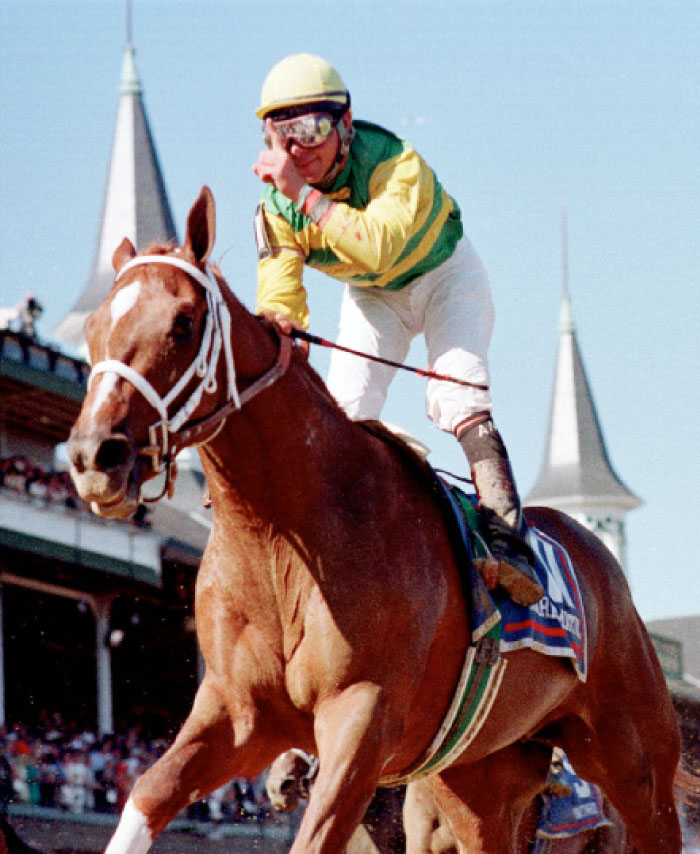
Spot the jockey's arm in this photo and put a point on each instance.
(280, 275)
(401, 199)
(371, 240)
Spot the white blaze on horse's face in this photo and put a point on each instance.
(121, 304)
(108, 382)
(124, 301)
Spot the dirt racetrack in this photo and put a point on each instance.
(69, 837)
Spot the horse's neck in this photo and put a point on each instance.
(270, 461)
(281, 462)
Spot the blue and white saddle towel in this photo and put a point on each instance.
(575, 813)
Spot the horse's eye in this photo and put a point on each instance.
(183, 327)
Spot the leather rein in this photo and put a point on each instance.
(168, 436)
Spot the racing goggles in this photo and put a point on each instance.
(309, 130)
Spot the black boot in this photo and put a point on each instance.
(501, 509)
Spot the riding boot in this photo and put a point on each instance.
(501, 508)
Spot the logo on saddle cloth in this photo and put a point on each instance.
(556, 624)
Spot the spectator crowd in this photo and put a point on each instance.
(19, 474)
(51, 765)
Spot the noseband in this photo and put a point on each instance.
(168, 436)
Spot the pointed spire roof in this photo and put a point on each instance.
(135, 202)
(576, 469)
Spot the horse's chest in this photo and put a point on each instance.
(317, 657)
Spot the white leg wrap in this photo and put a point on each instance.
(132, 835)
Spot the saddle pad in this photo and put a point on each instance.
(566, 816)
(556, 624)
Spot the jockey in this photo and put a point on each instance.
(352, 199)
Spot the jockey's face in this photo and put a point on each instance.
(315, 163)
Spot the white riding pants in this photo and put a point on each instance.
(451, 306)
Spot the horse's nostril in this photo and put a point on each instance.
(112, 454)
(78, 460)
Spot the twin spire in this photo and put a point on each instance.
(135, 201)
(576, 474)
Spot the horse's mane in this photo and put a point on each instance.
(159, 248)
(300, 358)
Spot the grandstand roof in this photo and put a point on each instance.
(41, 389)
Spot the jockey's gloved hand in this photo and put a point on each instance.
(285, 325)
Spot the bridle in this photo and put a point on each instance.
(168, 436)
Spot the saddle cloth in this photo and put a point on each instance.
(553, 626)
(561, 817)
(556, 624)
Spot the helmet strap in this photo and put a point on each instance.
(346, 133)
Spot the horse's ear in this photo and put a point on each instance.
(123, 253)
(201, 226)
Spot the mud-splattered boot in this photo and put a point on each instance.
(501, 509)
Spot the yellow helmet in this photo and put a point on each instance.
(299, 80)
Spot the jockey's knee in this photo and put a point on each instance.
(448, 403)
(450, 412)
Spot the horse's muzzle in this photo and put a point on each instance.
(104, 472)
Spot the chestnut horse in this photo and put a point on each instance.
(329, 604)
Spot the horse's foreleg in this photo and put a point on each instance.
(206, 753)
(199, 760)
(351, 737)
(426, 827)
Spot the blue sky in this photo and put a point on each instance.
(520, 107)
